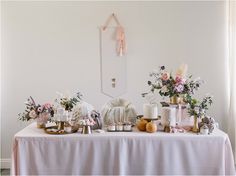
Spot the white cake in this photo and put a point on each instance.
(150, 111)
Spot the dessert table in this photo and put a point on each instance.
(121, 153)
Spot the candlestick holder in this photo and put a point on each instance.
(61, 125)
(86, 129)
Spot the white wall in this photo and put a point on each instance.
(54, 46)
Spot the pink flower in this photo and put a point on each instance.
(165, 76)
(179, 80)
(47, 105)
(32, 114)
(179, 88)
(40, 109)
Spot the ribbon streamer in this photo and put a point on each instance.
(120, 35)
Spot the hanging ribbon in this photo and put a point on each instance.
(120, 35)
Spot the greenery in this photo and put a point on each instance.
(68, 103)
(198, 108)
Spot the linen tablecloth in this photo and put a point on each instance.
(121, 153)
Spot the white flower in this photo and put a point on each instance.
(82, 122)
(164, 89)
(32, 114)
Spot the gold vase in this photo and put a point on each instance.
(195, 128)
(61, 125)
(176, 99)
(173, 99)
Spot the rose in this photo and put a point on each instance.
(179, 80)
(91, 121)
(165, 76)
(32, 114)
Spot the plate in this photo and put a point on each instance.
(119, 131)
(148, 119)
(54, 130)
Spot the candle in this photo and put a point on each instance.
(150, 111)
(112, 127)
(68, 129)
(127, 127)
(168, 116)
(119, 127)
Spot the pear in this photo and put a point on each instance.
(142, 125)
(151, 127)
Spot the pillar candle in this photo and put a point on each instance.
(168, 116)
(150, 111)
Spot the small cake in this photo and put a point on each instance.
(204, 129)
(127, 126)
(119, 127)
(111, 127)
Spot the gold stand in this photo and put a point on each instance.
(86, 129)
(40, 125)
(61, 125)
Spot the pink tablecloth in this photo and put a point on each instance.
(130, 153)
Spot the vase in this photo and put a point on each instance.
(176, 99)
(42, 119)
(195, 128)
(86, 129)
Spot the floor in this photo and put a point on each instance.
(5, 172)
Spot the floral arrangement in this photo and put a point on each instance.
(68, 102)
(170, 85)
(198, 108)
(33, 110)
(87, 121)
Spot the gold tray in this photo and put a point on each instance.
(148, 119)
(54, 130)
